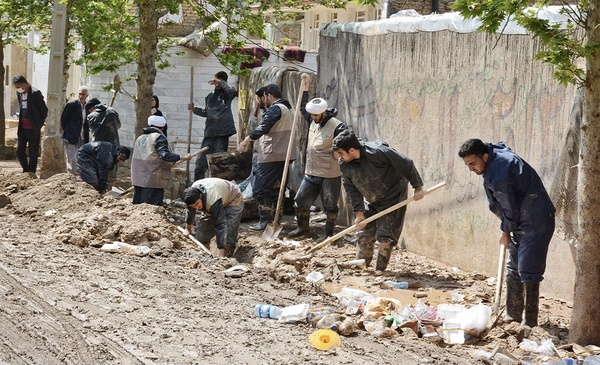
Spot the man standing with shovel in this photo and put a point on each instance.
(517, 196)
(273, 137)
(375, 173)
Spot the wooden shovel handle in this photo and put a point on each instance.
(192, 156)
(371, 218)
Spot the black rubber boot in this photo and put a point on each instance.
(330, 223)
(515, 302)
(364, 250)
(303, 220)
(265, 215)
(383, 255)
(532, 300)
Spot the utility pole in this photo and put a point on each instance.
(53, 155)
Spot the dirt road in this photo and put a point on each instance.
(64, 301)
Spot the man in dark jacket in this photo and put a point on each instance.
(32, 116)
(73, 122)
(96, 159)
(221, 204)
(219, 124)
(151, 163)
(272, 136)
(322, 173)
(517, 196)
(374, 173)
(104, 124)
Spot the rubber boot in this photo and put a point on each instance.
(532, 300)
(383, 255)
(515, 302)
(364, 250)
(303, 220)
(330, 223)
(265, 215)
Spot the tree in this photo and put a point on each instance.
(18, 18)
(565, 45)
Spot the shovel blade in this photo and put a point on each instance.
(271, 232)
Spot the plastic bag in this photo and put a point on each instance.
(541, 347)
(348, 294)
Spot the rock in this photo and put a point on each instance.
(4, 200)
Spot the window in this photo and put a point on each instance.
(360, 16)
(316, 22)
(333, 18)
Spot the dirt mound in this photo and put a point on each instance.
(73, 212)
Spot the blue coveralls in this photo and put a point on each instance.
(517, 196)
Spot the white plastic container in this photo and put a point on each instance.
(294, 313)
(453, 333)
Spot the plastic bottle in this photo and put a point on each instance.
(592, 360)
(319, 312)
(267, 311)
(396, 284)
(360, 263)
(566, 361)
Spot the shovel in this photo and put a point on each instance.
(193, 239)
(500, 277)
(272, 230)
(192, 156)
(370, 219)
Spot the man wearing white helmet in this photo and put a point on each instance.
(151, 163)
(322, 174)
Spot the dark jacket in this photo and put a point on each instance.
(71, 123)
(381, 175)
(104, 124)
(37, 108)
(99, 156)
(514, 190)
(219, 118)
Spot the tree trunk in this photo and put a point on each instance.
(585, 326)
(146, 69)
(2, 116)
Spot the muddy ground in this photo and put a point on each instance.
(65, 301)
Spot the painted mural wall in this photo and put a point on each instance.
(427, 92)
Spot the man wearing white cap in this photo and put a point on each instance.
(151, 163)
(322, 174)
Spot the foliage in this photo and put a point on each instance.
(243, 19)
(21, 16)
(564, 44)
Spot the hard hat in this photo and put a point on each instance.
(316, 106)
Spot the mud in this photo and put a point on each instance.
(64, 301)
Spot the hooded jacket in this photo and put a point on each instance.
(380, 176)
(98, 156)
(104, 124)
(514, 190)
(219, 118)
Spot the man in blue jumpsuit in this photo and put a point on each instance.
(517, 196)
(375, 177)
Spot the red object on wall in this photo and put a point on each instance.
(258, 54)
(294, 53)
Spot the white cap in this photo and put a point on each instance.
(157, 121)
(316, 106)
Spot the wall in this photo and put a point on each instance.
(427, 92)
(173, 89)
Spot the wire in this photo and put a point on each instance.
(256, 44)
